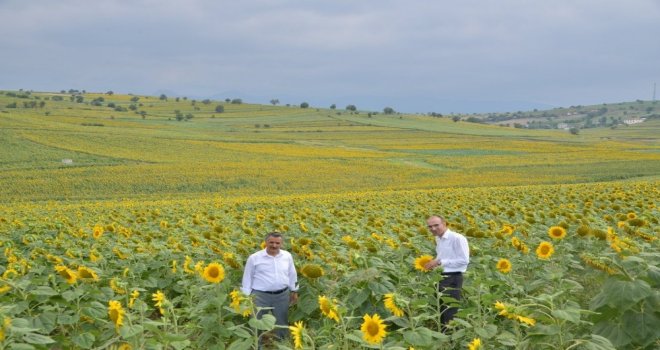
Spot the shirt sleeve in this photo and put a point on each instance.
(248, 275)
(293, 276)
(462, 256)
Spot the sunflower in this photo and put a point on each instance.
(97, 232)
(421, 261)
(390, 304)
(297, 333)
(312, 271)
(134, 295)
(328, 308)
(373, 329)
(504, 265)
(557, 232)
(214, 273)
(545, 250)
(528, 320)
(475, 344)
(159, 299)
(4, 289)
(116, 313)
(85, 273)
(69, 275)
(631, 215)
(125, 346)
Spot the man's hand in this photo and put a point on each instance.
(293, 297)
(432, 264)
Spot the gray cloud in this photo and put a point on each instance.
(418, 56)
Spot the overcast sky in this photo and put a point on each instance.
(413, 56)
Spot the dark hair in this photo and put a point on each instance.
(273, 234)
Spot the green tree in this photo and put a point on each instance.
(163, 97)
(304, 105)
(388, 110)
(219, 108)
(351, 108)
(274, 101)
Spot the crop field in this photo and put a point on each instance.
(127, 227)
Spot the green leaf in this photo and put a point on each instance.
(34, 338)
(507, 338)
(44, 291)
(266, 323)
(614, 332)
(130, 331)
(621, 294)
(178, 345)
(487, 332)
(241, 332)
(21, 346)
(654, 276)
(570, 315)
(84, 340)
(642, 327)
(422, 337)
(241, 344)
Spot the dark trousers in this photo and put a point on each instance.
(450, 286)
(279, 304)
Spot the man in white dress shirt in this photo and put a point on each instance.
(271, 276)
(453, 255)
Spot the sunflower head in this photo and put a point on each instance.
(391, 304)
(116, 313)
(545, 250)
(69, 275)
(504, 265)
(373, 329)
(87, 274)
(557, 232)
(297, 334)
(312, 271)
(475, 344)
(214, 273)
(421, 261)
(328, 308)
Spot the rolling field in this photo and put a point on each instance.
(115, 248)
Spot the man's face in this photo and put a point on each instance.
(436, 226)
(273, 245)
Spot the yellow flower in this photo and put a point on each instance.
(5, 325)
(502, 308)
(328, 308)
(186, 265)
(556, 232)
(312, 271)
(373, 329)
(69, 275)
(504, 265)
(527, 320)
(116, 313)
(97, 232)
(125, 346)
(115, 287)
(475, 344)
(421, 261)
(390, 304)
(631, 215)
(134, 295)
(173, 266)
(297, 333)
(545, 250)
(4, 289)
(214, 273)
(159, 299)
(86, 273)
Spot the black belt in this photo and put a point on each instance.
(273, 292)
(452, 273)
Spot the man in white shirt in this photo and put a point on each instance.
(271, 276)
(453, 255)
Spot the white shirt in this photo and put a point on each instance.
(453, 252)
(269, 273)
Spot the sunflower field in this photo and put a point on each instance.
(139, 242)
